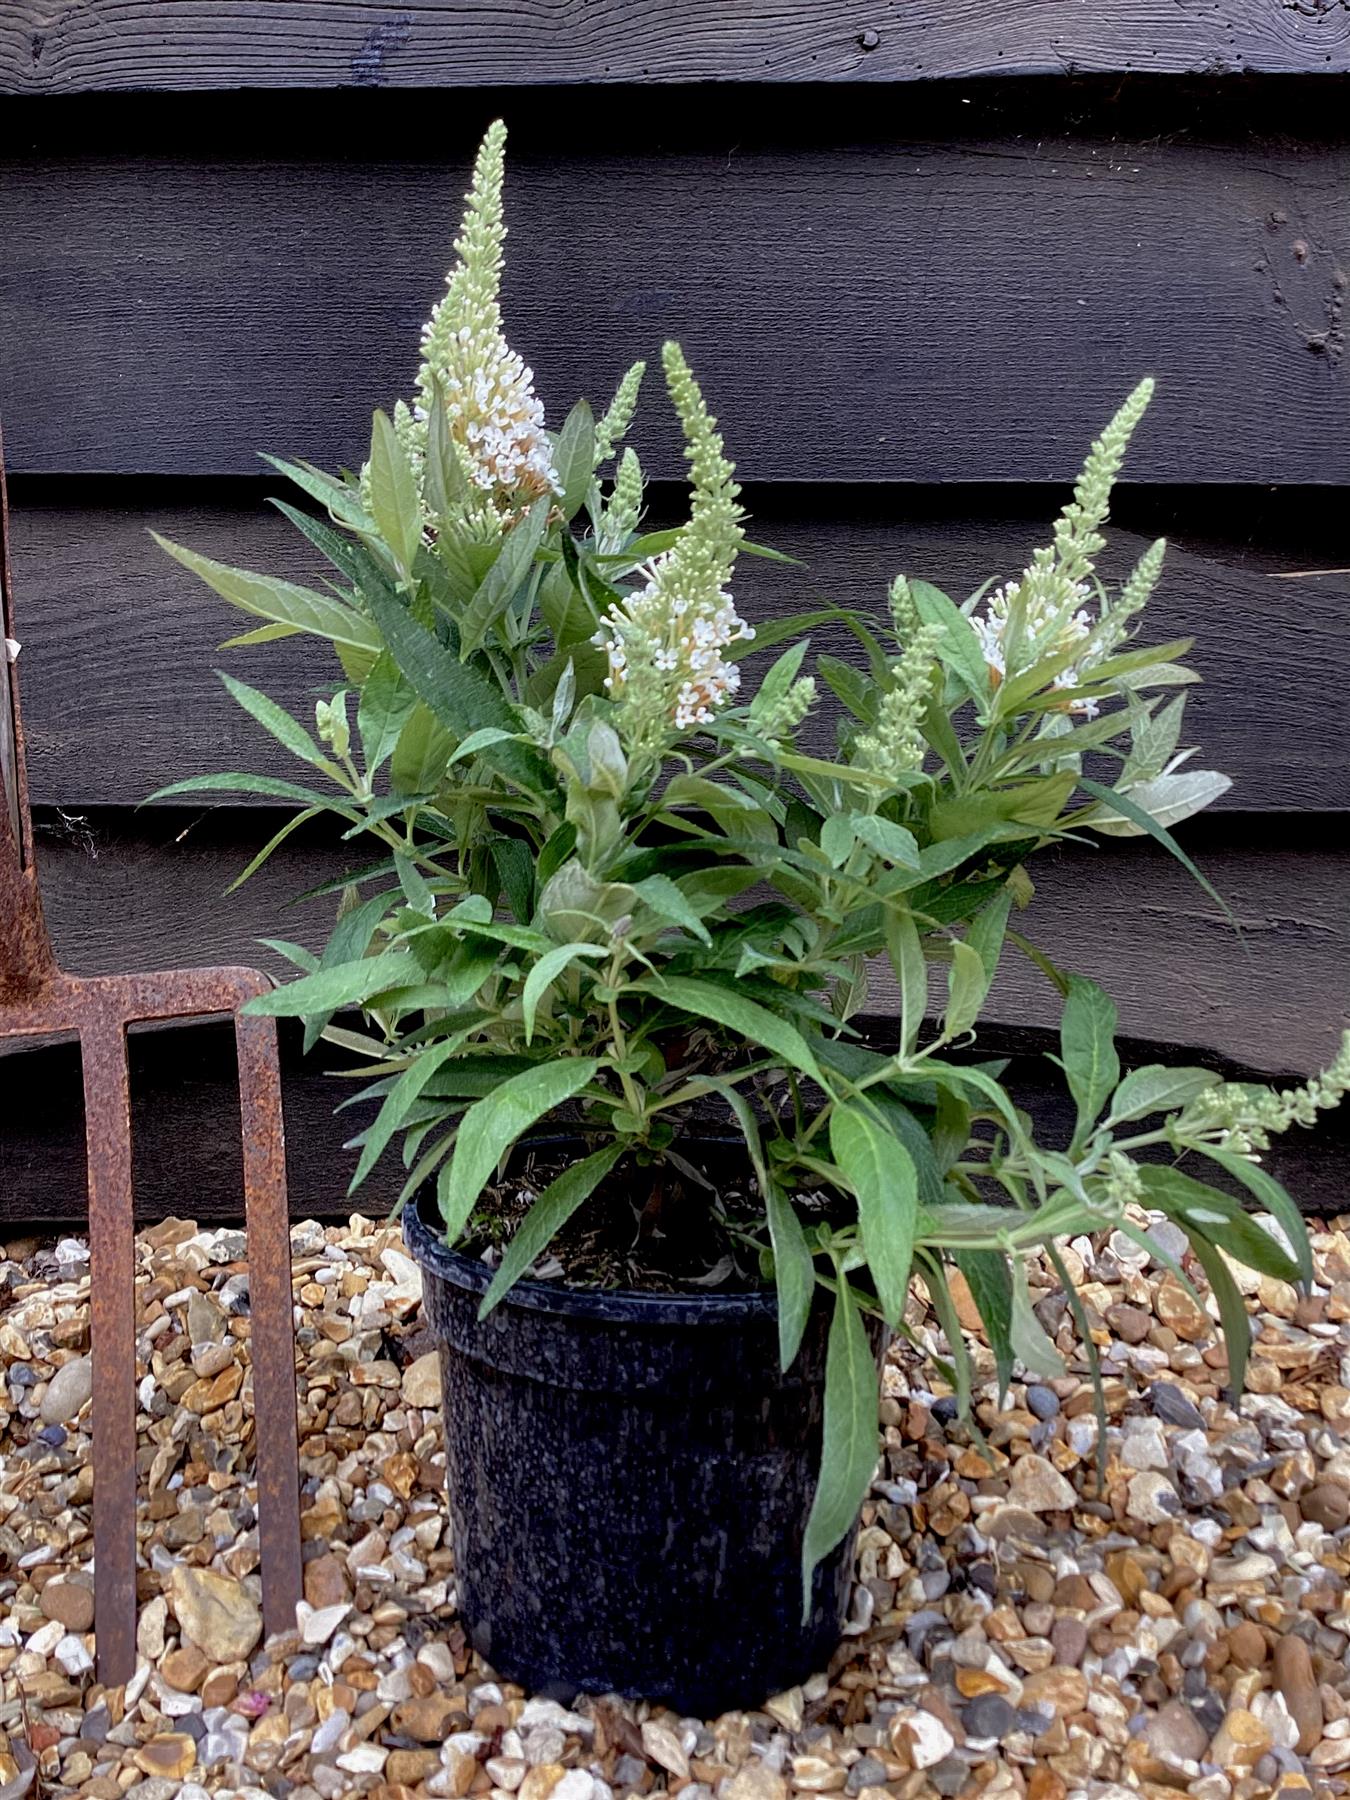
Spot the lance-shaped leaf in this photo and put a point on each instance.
(881, 1173)
(546, 1218)
(284, 602)
(705, 1000)
(490, 1127)
(1087, 1046)
(849, 1446)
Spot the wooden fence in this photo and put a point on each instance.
(916, 255)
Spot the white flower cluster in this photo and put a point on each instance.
(658, 639)
(495, 417)
(1048, 628)
(495, 420)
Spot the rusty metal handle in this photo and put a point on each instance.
(12, 809)
(27, 964)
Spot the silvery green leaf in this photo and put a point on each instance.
(837, 839)
(887, 839)
(1156, 1088)
(1166, 799)
(1087, 1046)
(394, 497)
(544, 973)
(1029, 1342)
(967, 985)
(849, 1446)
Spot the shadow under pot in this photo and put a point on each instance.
(629, 1481)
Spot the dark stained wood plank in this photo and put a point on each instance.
(185, 1131)
(47, 47)
(863, 303)
(148, 891)
(120, 697)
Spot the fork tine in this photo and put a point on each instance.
(273, 1334)
(112, 1298)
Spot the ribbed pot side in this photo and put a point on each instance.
(629, 1481)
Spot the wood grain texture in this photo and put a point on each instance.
(861, 306)
(149, 892)
(120, 695)
(49, 47)
(185, 1130)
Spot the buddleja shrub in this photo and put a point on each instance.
(609, 880)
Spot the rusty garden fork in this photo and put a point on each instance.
(38, 999)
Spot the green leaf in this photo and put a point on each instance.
(705, 1000)
(837, 839)
(881, 1173)
(849, 1446)
(960, 648)
(269, 786)
(779, 678)
(490, 1127)
(382, 712)
(545, 1220)
(987, 930)
(1026, 1335)
(1154, 1088)
(905, 950)
(481, 740)
(934, 1275)
(281, 601)
(1122, 803)
(660, 894)
(515, 862)
(264, 634)
(347, 985)
(888, 840)
(851, 687)
(342, 503)
(967, 985)
(443, 472)
(398, 1103)
(394, 499)
(1087, 1045)
(459, 697)
(991, 1288)
(959, 1076)
(345, 556)
(1168, 799)
(421, 752)
(1237, 1329)
(574, 458)
(274, 842)
(1273, 1198)
(544, 973)
(502, 582)
(279, 723)
(1199, 1207)
(793, 1270)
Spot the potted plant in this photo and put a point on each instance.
(666, 1197)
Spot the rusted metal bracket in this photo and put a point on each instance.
(37, 999)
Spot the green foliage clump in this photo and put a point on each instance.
(610, 878)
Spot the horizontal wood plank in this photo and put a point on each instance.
(51, 48)
(186, 1150)
(120, 642)
(862, 305)
(150, 892)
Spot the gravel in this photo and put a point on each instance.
(1029, 1629)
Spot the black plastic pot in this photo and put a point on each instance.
(630, 1476)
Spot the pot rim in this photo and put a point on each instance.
(628, 1306)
